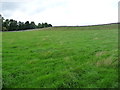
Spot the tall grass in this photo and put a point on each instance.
(61, 57)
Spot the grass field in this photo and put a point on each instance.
(61, 57)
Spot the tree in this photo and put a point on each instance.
(2, 24)
(27, 25)
(39, 25)
(43, 25)
(6, 24)
(1, 21)
(4, 29)
(21, 25)
(12, 25)
(49, 25)
(32, 25)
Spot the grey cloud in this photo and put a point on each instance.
(10, 5)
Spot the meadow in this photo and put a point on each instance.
(61, 57)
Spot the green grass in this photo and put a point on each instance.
(0, 60)
(61, 57)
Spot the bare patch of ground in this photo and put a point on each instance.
(101, 53)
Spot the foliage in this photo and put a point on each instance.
(13, 25)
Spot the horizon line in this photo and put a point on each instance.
(86, 25)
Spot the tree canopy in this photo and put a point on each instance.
(13, 25)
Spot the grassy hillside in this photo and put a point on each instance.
(61, 57)
(90, 27)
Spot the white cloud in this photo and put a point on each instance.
(66, 12)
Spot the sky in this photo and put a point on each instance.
(61, 12)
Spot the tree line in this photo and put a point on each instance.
(13, 25)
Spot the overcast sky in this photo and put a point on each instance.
(61, 12)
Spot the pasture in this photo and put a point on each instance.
(61, 57)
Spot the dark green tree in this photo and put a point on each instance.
(5, 24)
(32, 25)
(39, 25)
(43, 25)
(27, 25)
(49, 25)
(21, 25)
(12, 25)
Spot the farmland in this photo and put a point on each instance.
(61, 57)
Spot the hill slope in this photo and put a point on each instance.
(61, 57)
